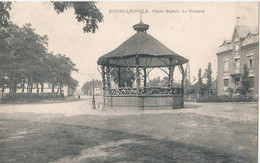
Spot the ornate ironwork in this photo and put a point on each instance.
(123, 91)
(146, 91)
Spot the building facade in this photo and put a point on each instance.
(232, 55)
(97, 91)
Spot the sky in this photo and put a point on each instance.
(194, 35)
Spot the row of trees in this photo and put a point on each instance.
(158, 82)
(25, 61)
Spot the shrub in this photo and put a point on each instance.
(225, 98)
(230, 90)
(238, 90)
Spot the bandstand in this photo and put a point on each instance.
(142, 52)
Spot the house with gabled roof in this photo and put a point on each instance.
(243, 48)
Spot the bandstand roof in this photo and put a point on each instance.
(151, 52)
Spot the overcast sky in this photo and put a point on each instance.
(195, 36)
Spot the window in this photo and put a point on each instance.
(237, 82)
(237, 63)
(236, 38)
(250, 63)
(236, 48)
(226, 83)
(250, 58)
(225, 66)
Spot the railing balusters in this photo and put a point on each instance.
(146, 91)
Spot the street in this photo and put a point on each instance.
(73, 132)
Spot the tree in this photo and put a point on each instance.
(200, 84)
(24, 61)
(156, 82)
(5, 7)
(4, 59)
(187, 86)
(60, 69)
(209, 80)
(23, 57)
(10, 56)
(164, 81)
(245, 84)
(127, 77)
(85, 12)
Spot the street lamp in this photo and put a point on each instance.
(93, 97)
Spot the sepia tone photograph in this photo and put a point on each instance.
(126, 81)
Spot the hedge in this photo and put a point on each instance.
(24, 97)
(225, 98)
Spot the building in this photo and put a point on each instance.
(233, 54)
(97, 91)
(204, 77)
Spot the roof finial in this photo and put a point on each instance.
(141, 17)
(238, 20)
(141, 27)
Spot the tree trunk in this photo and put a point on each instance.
(42, 85)
(23, 85)
(28, 85)
(3, 84)
(52, 88)
(37, 87)
(31, 86)
(14, 87)
(10, 87)
(58, 90)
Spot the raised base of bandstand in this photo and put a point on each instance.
(144, 102)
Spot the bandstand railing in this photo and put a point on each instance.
(145, 91)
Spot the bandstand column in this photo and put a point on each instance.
(108, 78)
(183, 77)
(104, 83)
(119, 77)
(170, 81)
(137, 75)
(145, 80)
(103, 77)
(182, 82)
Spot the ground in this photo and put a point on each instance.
(73, 132)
